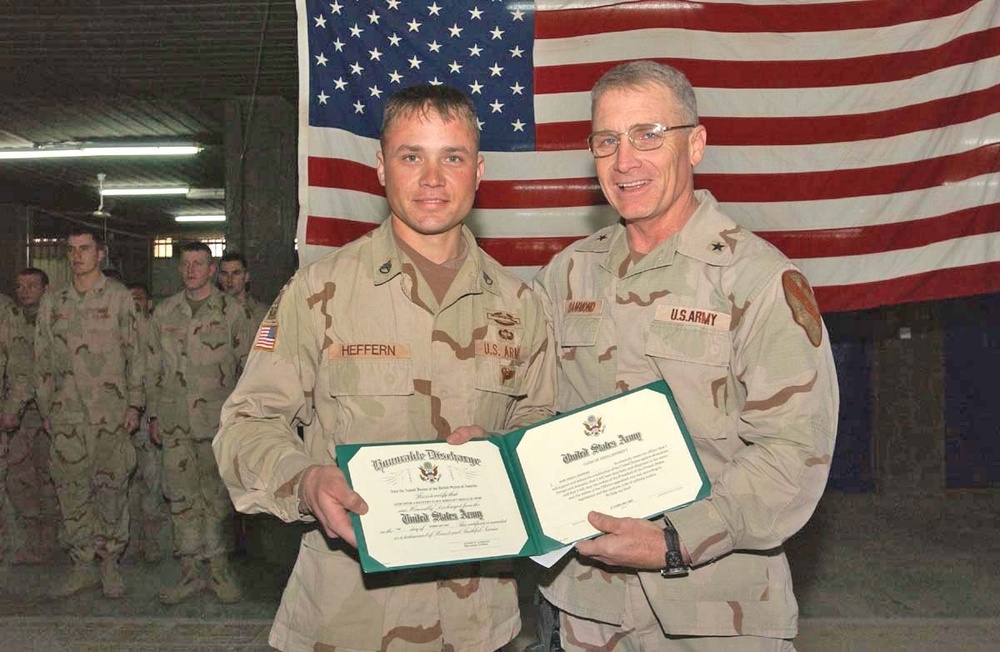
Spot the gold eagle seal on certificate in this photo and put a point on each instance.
(593, 426)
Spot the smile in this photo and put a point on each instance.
(631, 184)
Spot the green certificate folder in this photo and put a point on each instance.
(526, 493)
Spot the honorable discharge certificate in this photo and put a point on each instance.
(432, 501)
(527, 492)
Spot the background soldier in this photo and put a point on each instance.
(29, 483)
(88, 370)
(234, 278)
(147, 506)
(198, 343)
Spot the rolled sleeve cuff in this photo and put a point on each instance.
(287, 475)
(702, 531)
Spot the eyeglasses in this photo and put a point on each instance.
(643, 137)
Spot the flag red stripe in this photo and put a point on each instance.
(556, 136)
(885, 237)
(928, 286)
(791, 186)
(718, 17)
(859, 182)
(875, 69)
(821, 243)
(334, 231)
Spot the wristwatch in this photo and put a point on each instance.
(674, 559)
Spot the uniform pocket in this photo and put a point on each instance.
(579, 330)
(689, 344)
(371, 377)
(500, 375)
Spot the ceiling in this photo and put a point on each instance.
(132, 71)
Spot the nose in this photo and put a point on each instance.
(431, 175)
(625, 157)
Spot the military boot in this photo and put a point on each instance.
(190, 584)
(82, 576)
(221, 581)
(112, 584)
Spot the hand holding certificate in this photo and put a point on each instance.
(527, 492)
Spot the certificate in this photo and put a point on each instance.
(525, 493)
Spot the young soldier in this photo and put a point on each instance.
(198, 343)
(27, 445)
(88, 372)
(234, 278)
(392, 338)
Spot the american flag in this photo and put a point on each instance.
(862, 138)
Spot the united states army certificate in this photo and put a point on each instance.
(433, 502)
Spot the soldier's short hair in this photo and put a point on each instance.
(86, 230)
(138, 285)
(447, 102)
(197, 245)
(231, 256)
(643, 74)
(34, 271)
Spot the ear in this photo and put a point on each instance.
(480, 170)
(697, 140)
(380, 167)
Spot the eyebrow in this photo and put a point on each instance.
(451, 149)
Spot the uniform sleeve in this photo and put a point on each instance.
(154, 362)
(539, 400)
(44, 381)
(6, 337)
(259, 453)
(135, 358)
(20, 366)
(243, 331)
(770, 488)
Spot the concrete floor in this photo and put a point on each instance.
(871, 573)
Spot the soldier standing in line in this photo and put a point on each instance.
(198, 342)
(397, 336)
(7, 424)
(234, 277)
(147, 506)
(88, 374)
(29, 482)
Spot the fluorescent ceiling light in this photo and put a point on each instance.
(98, 150)
(134, 192)
(199, 218)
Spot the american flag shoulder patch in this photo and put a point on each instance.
(267, 336)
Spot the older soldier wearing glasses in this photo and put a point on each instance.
(677, 290)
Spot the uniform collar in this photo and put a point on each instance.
(387, 263)
(707, 237)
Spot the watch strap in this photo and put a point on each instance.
(675, 566)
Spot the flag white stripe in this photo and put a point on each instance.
(867, 268)
(766, 103)
(720, 159)
(764, 46)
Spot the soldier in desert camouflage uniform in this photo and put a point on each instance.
(233, 279)
(679, 291)
(88, 374)
(27, 444)
(397, 336)
(9, 403)
(198, 342)
(147, 506)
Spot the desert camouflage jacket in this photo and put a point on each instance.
(358, 350)
(88, 365)
(733, 328)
